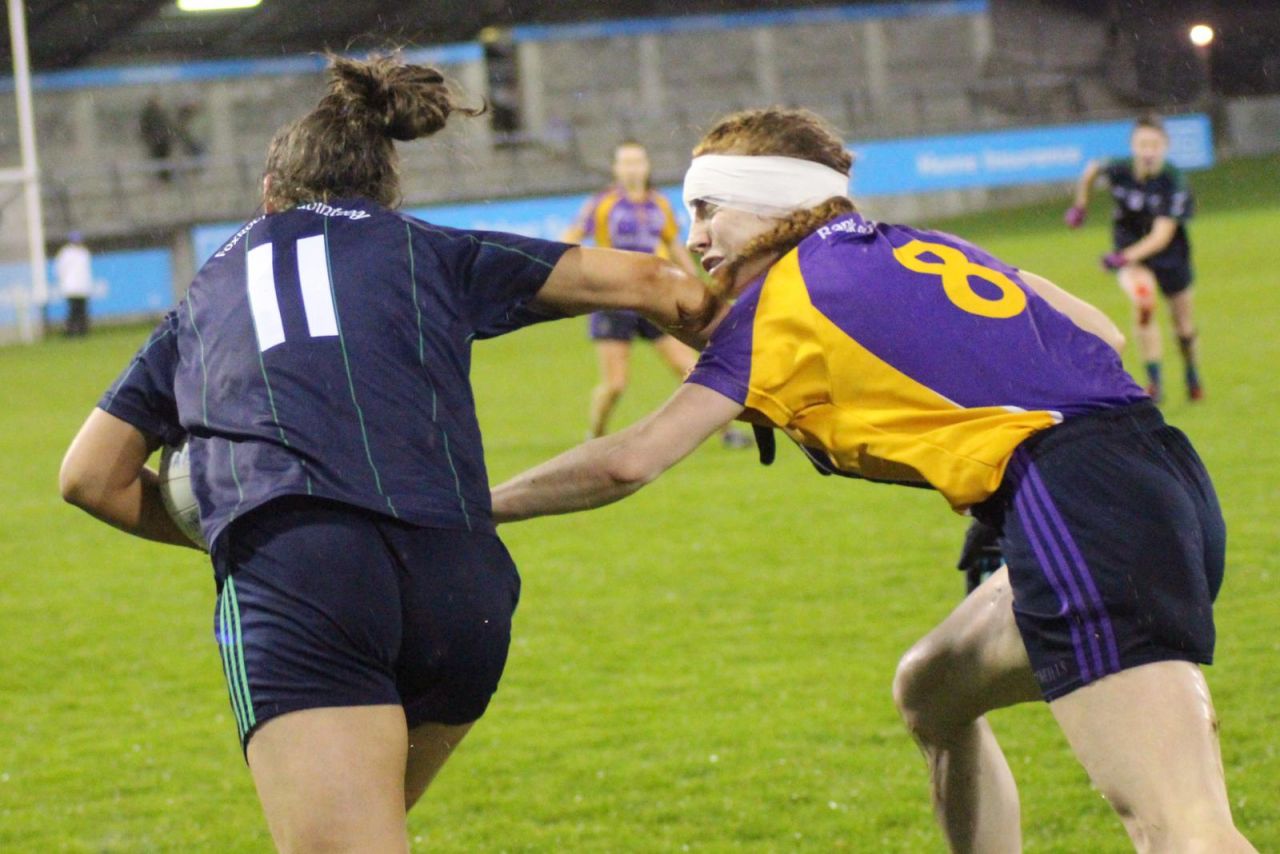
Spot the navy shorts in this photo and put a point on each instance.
(1115, 544)
(622, 326)
(324, 604)
(1172, 280)
(1171, 267)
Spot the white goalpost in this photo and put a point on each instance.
(24, 288)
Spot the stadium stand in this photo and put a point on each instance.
(582, 87)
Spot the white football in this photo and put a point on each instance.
(175, 491)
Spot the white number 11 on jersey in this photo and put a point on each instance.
(317, 292)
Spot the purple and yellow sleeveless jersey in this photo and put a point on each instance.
(614, 221)
(907, 356)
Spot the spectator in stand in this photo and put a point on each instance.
(157, 131)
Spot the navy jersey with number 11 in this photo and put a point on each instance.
(326, 351)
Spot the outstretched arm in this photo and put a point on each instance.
(612, 467)
(1085, 183)
(104, 473)
(591, 279)
(1085, 315)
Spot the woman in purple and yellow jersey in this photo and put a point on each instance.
(319, 367)
(913, 357)
(631, 215)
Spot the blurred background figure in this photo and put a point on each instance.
(191, 129)
(157, 131)
(1150, 248)
(73, 269)
(630, 214)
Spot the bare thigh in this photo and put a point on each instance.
(1148, 737)
(333, 778)
(973, 661)
(430, 746)
(614, 358)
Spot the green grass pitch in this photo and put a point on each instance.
(704, 667)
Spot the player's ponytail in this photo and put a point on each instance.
(786, 133)
(344, 147)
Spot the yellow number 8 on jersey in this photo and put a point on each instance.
(955, 269)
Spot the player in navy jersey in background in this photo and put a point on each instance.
(906, 356)
(632, 215)
(319, 366)
(1150, 248)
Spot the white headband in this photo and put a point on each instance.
(759, 184)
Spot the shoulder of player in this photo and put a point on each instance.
(658, 199)
(608, 197)
(1117, 167)
(1174, 175)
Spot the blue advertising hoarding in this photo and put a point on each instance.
(125, 283)
(882, 168)
(1007, 157)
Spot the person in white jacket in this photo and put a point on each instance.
(74, 270)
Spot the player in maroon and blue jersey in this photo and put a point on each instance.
(319, 366)
(906, 356)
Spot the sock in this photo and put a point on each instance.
(1187, 343)
(1153, 373)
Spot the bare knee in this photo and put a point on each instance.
(612, 388)
(920, 695)
(1144, 315)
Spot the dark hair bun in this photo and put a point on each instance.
(401, 101)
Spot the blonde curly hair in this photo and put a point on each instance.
(787, 133)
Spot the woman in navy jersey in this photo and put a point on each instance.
(319, 367)
(1150, 248)
(907, 356)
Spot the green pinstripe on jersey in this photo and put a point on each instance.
(346, 362)
(204, 369)
(457, 482)
(125, 377)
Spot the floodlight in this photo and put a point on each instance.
(215, 5)
(1201, 35)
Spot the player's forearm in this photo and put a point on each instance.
(1085, 185)
(104, 473)
(1155, 242)
(134, 507)
(579, 479)
(589, 279)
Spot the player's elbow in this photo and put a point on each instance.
(79, 484)
(73, 485)
(1110, 333)
(629, 468)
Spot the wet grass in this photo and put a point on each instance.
(705, 666)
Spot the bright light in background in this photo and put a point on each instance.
(215, 5)
(1201, 35)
